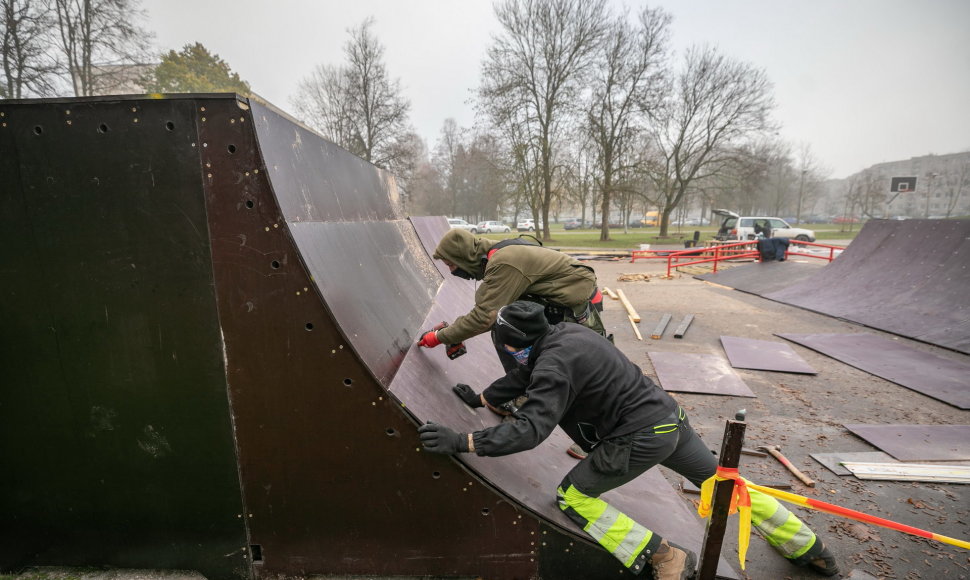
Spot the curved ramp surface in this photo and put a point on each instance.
(211, 323)
(909, 278)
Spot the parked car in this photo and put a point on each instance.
(573, 224)
(491, 227)
(742, 228)
(527, 225)
(460, 224)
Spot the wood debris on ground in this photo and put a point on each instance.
(633, 278)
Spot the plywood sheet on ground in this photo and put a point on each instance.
(698, 373)
(918, 442)
(944, 379)
(764, 355)
(833, 461)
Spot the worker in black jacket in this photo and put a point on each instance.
(575, 378)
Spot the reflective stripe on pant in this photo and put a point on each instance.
(672, 443)
(628, 541)
(787, 534)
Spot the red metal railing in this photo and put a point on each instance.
(720, 252)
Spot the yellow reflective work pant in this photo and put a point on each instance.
(681, 450)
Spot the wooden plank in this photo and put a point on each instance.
(629, 307)
(661, 327)
(635, 329)
(909, 472)
(682, 329)
(610, 293)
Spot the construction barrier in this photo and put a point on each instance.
(740, 501)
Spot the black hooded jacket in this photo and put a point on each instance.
(577, 379)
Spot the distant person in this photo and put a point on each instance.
(628, 424)
(762, 229)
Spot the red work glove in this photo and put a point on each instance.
(429, 340)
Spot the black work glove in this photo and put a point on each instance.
(465, 393)
(440, 439)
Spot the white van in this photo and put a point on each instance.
(743, 228)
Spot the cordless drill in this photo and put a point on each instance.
(453, 350)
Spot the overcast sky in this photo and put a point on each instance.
(860, 81)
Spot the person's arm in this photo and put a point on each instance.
(548, 398)
(502, 285)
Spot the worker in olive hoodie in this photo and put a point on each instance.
(510, 270)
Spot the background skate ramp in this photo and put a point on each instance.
(906, 277)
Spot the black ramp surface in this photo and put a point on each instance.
(911, 278)
(941, 378)
(116, 444)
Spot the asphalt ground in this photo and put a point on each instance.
(803, 414)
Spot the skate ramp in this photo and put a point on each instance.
(905, 277)
(210, 327)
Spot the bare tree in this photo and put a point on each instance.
(379, 107)
(28, 68)
(715, 102)
(322, 103)
(95, 36)
(446, 160)
(358, 105)
(536, 64)
(629, 69)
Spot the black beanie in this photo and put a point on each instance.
(521, 324)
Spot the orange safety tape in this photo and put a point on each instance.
(858, 516)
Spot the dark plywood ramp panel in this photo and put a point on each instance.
(761, 278)
(765, 355)
(918, 442)
(115, 434)
(698, 373)
(906, 277)
(942, 378)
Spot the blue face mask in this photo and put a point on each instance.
(522, 356)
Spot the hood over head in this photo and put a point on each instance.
(464, 250)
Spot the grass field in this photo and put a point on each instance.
(636, 236)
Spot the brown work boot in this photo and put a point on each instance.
(672, 562)
(819, 559)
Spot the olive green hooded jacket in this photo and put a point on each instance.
(511, 272)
